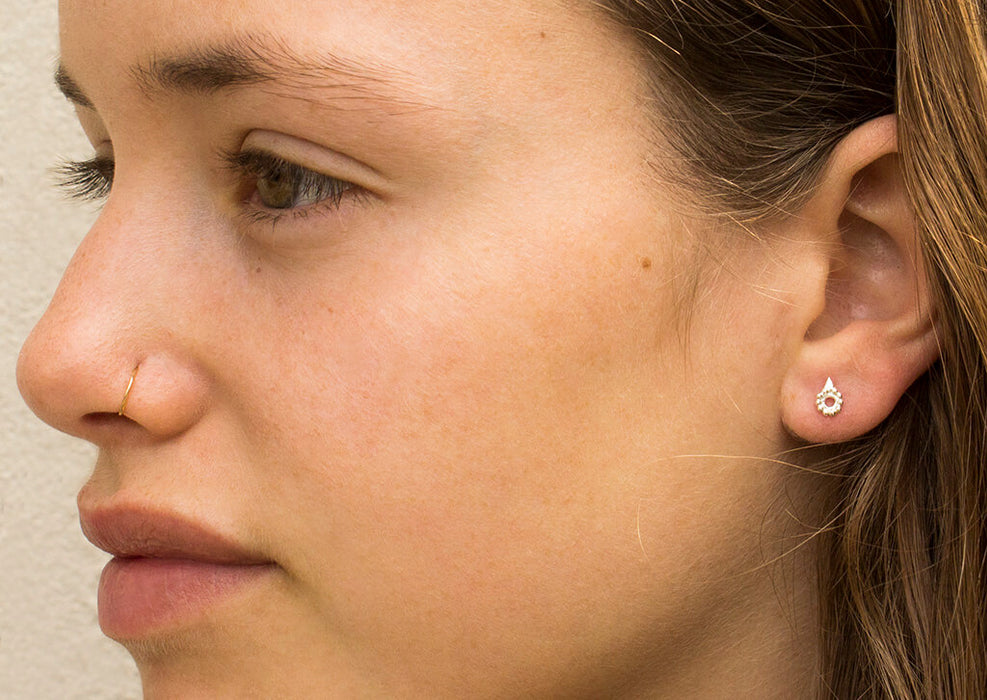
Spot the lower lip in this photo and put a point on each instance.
(138, 596)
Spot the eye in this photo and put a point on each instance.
(273, 186)
(278, 184)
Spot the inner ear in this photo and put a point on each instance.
(873, 270)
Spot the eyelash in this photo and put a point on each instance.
(92, 180)
(86, 180)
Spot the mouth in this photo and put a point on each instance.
(167, 571)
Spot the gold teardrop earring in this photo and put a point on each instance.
(829, 401)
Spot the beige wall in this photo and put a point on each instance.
(50, 645)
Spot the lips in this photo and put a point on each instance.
(167, 571)
(133, 532)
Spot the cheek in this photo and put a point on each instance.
(453, 406)
(467, 386)
(462, 437)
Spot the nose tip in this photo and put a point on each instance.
(64, 372)
(90, 393)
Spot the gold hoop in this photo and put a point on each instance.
(126, 394)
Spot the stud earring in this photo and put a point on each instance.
(829, 401)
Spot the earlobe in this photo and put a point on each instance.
(874, 335)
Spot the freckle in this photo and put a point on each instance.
(646, 263)
(543, 35)
(257, 270)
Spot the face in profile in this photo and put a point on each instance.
(413, 410)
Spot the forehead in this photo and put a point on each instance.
(450, 48)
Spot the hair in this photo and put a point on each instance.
(754, 95)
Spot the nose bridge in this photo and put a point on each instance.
(106, 319)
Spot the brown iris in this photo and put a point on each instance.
(276, 192)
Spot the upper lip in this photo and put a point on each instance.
(134, 531)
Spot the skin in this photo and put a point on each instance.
(479, 417)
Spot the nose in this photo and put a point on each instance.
(106, 335)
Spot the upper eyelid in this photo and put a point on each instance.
(256, 160)
(260, 161)
(320, 158)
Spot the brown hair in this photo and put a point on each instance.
(754, 95)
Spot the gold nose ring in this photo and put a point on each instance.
(126, 394)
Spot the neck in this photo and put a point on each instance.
(763, 642)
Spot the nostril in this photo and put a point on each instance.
(106, 428)
(162, 394)
(106, 419)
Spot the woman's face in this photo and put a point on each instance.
(422, 413)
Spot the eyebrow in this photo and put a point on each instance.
(70, 88)
(256, 60)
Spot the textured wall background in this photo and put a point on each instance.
(50, 644)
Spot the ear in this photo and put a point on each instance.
(869, 324)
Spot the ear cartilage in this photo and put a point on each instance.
(829, 401)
